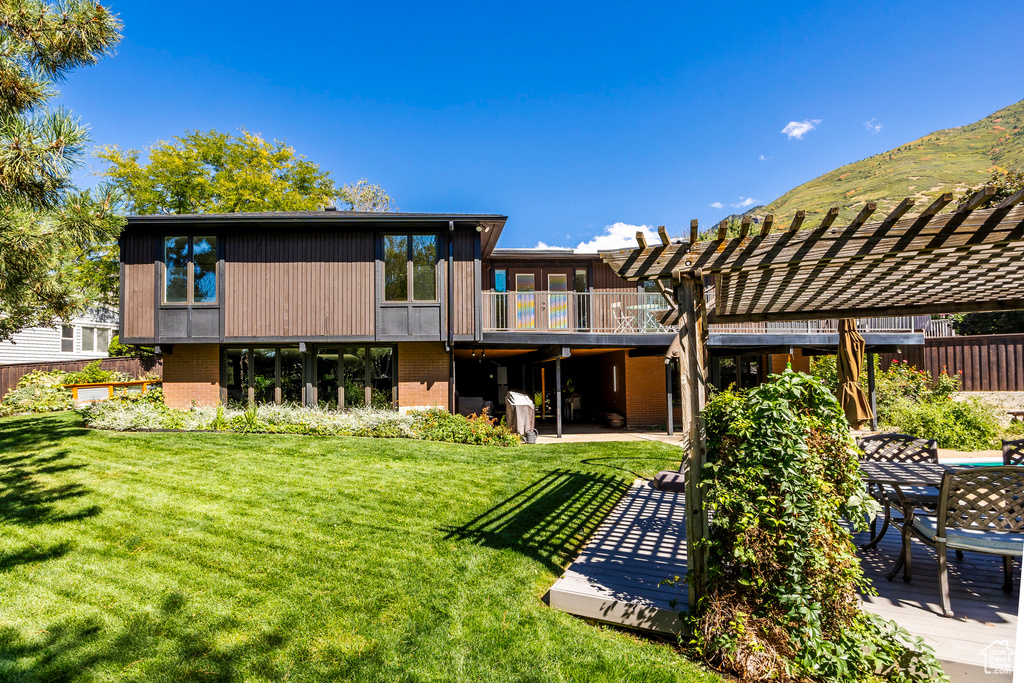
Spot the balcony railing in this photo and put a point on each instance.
(573, 312)
(634, 313)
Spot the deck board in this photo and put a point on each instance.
(618, 577)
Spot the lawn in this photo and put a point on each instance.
(217, 557)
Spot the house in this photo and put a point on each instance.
(410, 310)
(83, 338)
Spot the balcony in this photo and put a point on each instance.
(635, 313)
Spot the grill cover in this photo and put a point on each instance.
(519, 412)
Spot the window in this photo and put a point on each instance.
(410, 267)
(190, 270)
(67, 339)
(580, 280)
(500, 280)
(95, 339)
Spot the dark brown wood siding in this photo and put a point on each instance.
(607, 280)
(137, 255)
(992, 362)
(463, 285)
(299, 284)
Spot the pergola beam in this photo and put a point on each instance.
(798, 220)
(938, 205)
(897, 213)
(766, 225)
(1013, 201)
(977, 199)
(864, 214)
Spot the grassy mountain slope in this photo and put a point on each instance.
(947, 160)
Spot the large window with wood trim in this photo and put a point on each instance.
(190, 270)
(410, 267)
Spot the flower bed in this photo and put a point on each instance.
(148, 412)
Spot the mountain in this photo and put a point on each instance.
(953, 159)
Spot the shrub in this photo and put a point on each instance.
(783, 576)
(967, 425)
(93, 373)
(36, 398)
(116, 348)
(440, 425)
(138, 412)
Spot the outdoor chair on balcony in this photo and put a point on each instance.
(622, 321)
(897, 448)
(1013, 452)
(980, 509)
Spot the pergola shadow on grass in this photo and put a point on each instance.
(247, 557)
(549, 520)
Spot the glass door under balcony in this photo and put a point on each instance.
(526, 301)
(558, 301)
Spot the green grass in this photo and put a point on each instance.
(229, 557)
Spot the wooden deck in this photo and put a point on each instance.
(617, 579)
(618, 576)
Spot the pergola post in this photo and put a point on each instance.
(692, 384)
(668, 392)
(871, 392)
(558, 395)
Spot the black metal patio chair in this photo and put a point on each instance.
(897, 448)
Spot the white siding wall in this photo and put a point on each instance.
(41, 344)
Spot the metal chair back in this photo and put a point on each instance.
(898, 448)
(985, 498)
(1013, 452)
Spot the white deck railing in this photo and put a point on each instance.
(634, 313)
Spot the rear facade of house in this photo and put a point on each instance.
(343, 309)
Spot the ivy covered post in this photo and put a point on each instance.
(689, 293)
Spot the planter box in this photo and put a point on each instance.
(101, 391)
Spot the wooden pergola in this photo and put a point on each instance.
(970, 260)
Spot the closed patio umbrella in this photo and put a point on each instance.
(851, 359)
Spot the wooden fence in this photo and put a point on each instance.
(136, 367)
(993, 362)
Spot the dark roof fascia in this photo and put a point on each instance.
(492, 223)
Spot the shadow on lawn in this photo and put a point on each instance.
(549, 520)
(168, 642)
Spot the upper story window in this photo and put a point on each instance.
(95, 339)
(410, 267)
(67, 338)
(190, 270)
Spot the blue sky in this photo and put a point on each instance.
(567, 117)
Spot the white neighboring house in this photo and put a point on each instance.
(85, 337)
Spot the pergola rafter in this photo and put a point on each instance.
(969, 260)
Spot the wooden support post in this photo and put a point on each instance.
(689, 294)
(830, 217)
(937, 205)
(558, 396)
(663, 234)
(766, 226)
(640, 240)
(543, 395)
(694, 232)
(871, 392)
(798, 220)
(864, 214)
(744, 227)
(897, 213)
(668, 392)
(723, 229)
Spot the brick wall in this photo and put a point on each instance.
(192, 374)
(801, 363)
(422, 375)
(645, 391)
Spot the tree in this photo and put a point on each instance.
(46, 226)
(216, 172)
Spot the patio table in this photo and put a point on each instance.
(650, 322)
(897, 475)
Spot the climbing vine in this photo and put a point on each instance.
(783, 577)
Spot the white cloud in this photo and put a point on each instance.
(761, 157)
(873, 125)
(798, 129)
(716, 205)
(544, 245)
(618, 236)
(745, 202)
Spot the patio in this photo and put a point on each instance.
(618, 577)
